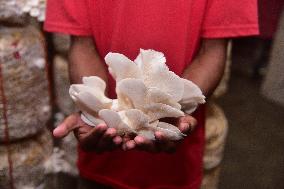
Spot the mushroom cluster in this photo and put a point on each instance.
(147, 91)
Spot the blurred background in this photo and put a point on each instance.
(245, 116)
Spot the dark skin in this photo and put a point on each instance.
(206, 71)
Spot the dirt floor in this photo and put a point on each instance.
(254, 154)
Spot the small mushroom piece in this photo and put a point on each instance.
(189, 107)
(158, 110)
(90, 120)
(148, 134)
(121, 67)
(170, 131)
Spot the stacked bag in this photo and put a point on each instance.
(63, 101)
(25, 143)
(216, 129)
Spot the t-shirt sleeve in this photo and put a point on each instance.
(68, 16)
(230, 18)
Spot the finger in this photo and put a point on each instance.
(187, 123)
(145, 144)
(70, 123)
(105, 141)
(117, 140)
(130, 145)
(125, 139)
(188, 119)
(160, 136)
(184, 127)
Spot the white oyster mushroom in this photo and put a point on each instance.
(120, 67)
(146, 92)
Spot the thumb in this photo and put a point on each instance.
(69, 124)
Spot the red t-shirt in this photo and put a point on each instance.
(172, 27)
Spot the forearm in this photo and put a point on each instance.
(207, 68)
(84, 60)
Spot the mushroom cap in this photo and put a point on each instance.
(156, 73)
(115, 120)
(120, 67)
(131, 93)
(158, 110)
(192, 93)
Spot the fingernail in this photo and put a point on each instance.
(110, 132)
(117, 140)
(139, 140)
(130, 145)
(159, 135)
(57, 131)
(102, 127)
(184, 127)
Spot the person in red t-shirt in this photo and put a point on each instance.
(192, 35)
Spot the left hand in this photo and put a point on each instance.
(162, 144)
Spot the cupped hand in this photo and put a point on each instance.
(162, 144)
(98, 139)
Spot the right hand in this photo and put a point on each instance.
(98, 139)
